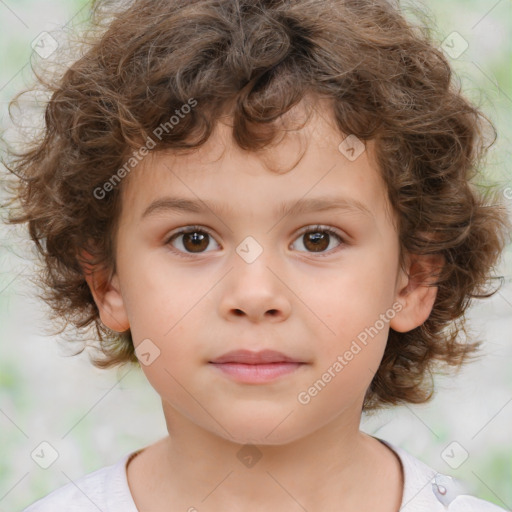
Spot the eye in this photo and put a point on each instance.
(191, 240)
(318, 239)
(195, 240)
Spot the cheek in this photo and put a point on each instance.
(355, 306)
(355, 296)
(176, 347)
(158, 296)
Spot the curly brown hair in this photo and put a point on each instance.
(255, 59)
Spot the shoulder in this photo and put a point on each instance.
(95, 491)
(427, 490)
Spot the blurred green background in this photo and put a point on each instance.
(93, 417)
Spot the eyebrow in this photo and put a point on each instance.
(317, 204)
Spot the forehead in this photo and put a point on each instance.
(305, 162)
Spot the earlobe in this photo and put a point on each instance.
(416, 292)
(107, 296)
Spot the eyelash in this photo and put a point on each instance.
(201, 229)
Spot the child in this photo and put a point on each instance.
(269, 205)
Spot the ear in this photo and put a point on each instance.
(415, 291)
(107, 295)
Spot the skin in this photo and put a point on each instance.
(290, 299)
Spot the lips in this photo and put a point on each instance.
(249, 357)
(246, 367)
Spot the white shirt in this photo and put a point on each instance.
(107, 490)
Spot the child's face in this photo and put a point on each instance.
(311, 306)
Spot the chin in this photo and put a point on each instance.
(270, 433)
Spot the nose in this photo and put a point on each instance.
(255, 292)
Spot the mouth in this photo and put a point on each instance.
(249, 357)
(256, 367)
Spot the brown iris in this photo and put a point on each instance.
(318, 240)
(195, 241)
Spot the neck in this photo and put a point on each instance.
(332, 468)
